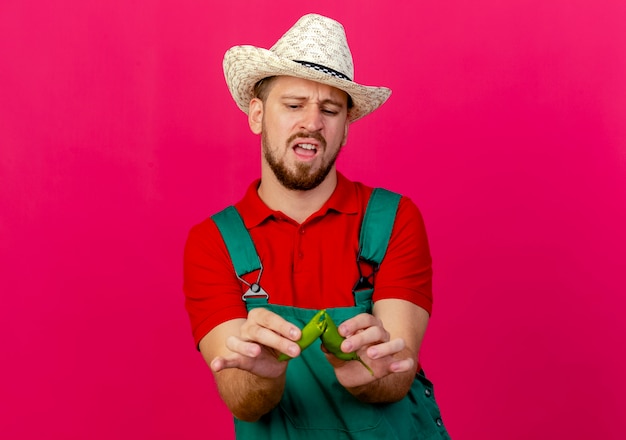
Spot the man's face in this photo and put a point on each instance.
(303, 126)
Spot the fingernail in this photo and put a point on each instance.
(293, 349)
(293, 333)
(372, 353)
(347, 346)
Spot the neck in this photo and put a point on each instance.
(297, 205)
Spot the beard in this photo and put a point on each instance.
(304, 177)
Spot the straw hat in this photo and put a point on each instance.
(315, 48)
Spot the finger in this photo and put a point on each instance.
(360, 322)
(222, 363)
(242, 347)
(217, 364)
(401, 366)
(270, 320)
(265, 337)
(369, 336)
(386, 349)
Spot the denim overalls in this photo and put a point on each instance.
(314, 405)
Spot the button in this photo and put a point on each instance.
(302, 231)
(427, 392)
(439, 422)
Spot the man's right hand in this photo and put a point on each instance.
(252, 344)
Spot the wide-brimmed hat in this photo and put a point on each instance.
(315, 48)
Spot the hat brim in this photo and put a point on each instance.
(244, 66)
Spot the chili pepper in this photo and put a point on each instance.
(332, 341)
(322, 326)
(310, 332)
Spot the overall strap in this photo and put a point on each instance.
(376, 228)
(378, 221)
(242, 252)
(238, 242)
(374, 238)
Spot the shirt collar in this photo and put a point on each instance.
(254, 211)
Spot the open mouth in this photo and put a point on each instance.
(307, 150)
(307, 146)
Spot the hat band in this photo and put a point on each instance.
(323, 69)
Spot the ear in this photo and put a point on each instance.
(255, 115)
(345, 133)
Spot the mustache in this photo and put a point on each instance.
(314, 135)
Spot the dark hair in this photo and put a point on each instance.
(262, 89)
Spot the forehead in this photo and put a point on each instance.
(304, 88)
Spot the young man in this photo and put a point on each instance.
(304, 220)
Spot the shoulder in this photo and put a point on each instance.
(407, 211)
(203, 239)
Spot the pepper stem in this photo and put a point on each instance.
(366, 366)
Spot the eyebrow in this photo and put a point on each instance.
(322, 102)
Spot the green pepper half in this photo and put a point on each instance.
(332, 341)
(322, 326)
(313, 330)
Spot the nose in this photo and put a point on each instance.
(312, 118)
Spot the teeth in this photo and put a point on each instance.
(307, 146)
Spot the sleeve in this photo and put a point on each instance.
(212, 290)
(406, 271)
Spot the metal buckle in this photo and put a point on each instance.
(254, 290)
(365, 282)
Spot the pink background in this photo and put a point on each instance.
(507, 126)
